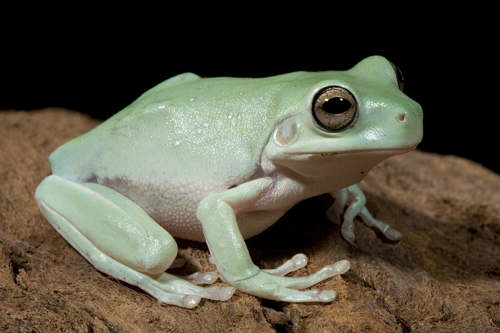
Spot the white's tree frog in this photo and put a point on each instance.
(220, 160)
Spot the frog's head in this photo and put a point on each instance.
(344, 122)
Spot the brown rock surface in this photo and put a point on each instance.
(443, 276)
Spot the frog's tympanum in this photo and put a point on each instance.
(219, 160)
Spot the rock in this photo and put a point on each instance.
(443, 276)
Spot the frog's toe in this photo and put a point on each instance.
(315, 295)
(175, 290)
(324, 296)
(297, 262)
(190, 301)
(202, 278)
(219, 293)
(340, 267)
(182, 300)
(178, 262)
(347, 231)
(301, 282)
(389, 232)
(215, 293)
(327, 296)
(392, 234)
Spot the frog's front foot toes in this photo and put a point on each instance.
(389, 232)
(297, 262)
(392, 234)
(354, 200)
(282, 288)
(347, 231)
(325, 296)
(340, 267)
(315, 295)
(288, 288)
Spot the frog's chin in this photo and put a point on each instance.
(352, 165)
(388, 151)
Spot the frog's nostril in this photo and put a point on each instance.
(401, 117)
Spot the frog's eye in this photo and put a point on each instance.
(334, 108)
(399, 76)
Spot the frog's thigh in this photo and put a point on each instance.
(99, 221)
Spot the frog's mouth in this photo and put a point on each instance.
(389, 151)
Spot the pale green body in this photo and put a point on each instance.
(220, 160)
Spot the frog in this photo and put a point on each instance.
(219, 160)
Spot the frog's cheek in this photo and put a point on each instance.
(286, 133)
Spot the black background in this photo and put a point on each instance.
(97, 67)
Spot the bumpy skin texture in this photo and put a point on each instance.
(220, 160)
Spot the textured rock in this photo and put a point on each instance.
(443, 276)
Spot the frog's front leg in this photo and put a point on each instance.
(217, 214)
(355, 200)
(117, 236)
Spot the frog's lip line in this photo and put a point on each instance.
(392, 151)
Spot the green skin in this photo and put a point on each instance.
(220, 160)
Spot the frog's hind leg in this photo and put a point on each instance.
(117, 236)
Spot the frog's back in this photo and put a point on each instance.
(186, 129)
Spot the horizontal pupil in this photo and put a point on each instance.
(336, 105)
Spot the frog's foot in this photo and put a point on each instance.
(355, 200)
(280, 288)
(120, 239)
(389, 232)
